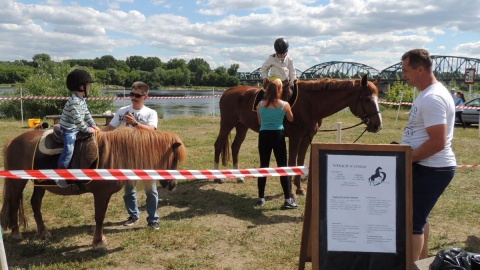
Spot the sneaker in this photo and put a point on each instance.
(260, 202)
(61, 183)
(155, 225)
(130, 221)
(290, 204)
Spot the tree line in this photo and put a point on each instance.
(109, 71)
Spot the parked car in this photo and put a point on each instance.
(470, 116)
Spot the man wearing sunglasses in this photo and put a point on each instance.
(137, 115)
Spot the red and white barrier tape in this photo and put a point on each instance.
(103, 98)
(124, 174)
(182, 97)
(468, 166)
(410, 104)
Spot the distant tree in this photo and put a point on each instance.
(122, 66)
(104, 62)
(151, 63)
(80, 62)
(48, 81)
(41, 58)
(232, 70)
(176, 63)
(199, 68)
(135, 62)
(157, 78)
(178, 77)
(16, 72)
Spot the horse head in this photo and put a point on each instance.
(366, 107)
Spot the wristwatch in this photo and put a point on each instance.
(135, 124)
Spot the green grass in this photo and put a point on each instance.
(211, 226)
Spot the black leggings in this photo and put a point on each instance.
(269, 140)
(458, 115)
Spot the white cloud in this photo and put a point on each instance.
(243, 31)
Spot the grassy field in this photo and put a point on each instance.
(205, 225)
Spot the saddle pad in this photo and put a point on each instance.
(258, 97)
(48, 145)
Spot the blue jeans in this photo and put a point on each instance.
(130, 198)
(69, 137)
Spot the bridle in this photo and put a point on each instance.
(365, 118)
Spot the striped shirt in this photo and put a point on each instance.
(75, 115)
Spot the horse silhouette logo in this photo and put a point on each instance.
(377, 178)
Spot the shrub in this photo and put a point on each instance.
(48, 80)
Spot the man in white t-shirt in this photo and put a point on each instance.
(137, 115)
(429, 131)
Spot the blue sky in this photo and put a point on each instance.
(225, 32)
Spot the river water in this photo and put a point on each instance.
(172, 103)
(175, 103)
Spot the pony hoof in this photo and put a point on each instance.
(17, 236)
(43, 235)
(218, 181)
(241, 181)
(172, 184)
(99, 247)
(301, 192)
(164, 183)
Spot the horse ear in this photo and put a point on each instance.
(377, 80)
(365, 80)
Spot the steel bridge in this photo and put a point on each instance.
(446, 68)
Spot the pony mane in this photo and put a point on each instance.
(327, 84)
(139, 148)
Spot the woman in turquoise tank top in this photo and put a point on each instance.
(271, 112)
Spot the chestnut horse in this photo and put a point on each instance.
(124, 148)
(313, 101)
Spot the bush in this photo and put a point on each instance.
(395, 92)
(49, 80)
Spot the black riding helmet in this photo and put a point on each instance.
(76, 78)
(281, 46)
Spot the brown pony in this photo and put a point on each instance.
(124, 148)
(313, 101)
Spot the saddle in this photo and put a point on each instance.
(290, 94)
(50, 144)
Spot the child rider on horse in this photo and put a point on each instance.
(75, 117)
(279, 65)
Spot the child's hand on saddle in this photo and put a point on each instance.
(92, 130)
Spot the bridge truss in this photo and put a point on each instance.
(446, 68)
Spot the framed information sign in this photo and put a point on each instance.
(358, 209)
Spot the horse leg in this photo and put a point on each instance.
(293, 148)
(302, 151)
(241, 134)
(221, 145)
(36, 202)
(101, 201)
(12, 208)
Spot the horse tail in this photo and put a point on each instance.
(226, 151)
(8, 196)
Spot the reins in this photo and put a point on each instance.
(364, 119)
